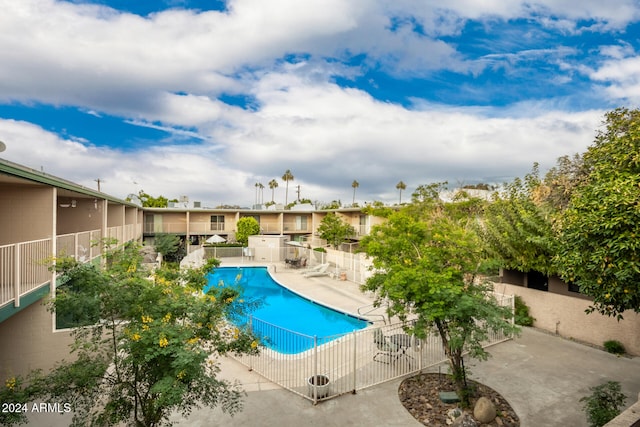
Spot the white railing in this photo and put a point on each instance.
(23, 268)
(223, 251)
(350, 266)
(350, 362)
(83, 246)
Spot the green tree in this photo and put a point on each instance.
(355, 184)
(517, 227)
(334, 230)
(425, 265)
(155, 348)
(600, 228)
(170, 246)
(149, 201)
(273, 184)
(288, 176)
(247, 226)
(401, 186)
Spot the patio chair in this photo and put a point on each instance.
(313, 269)
(385, 347)
(322, 271)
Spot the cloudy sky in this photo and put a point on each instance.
(206, 98)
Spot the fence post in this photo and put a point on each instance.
(251, 332)
(355, 353)
(315, 370)
(17, 276)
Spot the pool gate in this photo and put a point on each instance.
(321, 368)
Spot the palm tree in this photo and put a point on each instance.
(261, 187)
(286, 178)
(355, 184)
(256, 185)
(273, 184)
(401, 186)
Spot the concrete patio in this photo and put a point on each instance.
(542, 376)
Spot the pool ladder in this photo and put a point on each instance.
(369, 313)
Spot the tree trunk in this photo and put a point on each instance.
(455, 362)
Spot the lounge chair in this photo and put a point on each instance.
(313, 269)
(385, 347)
(322, 271)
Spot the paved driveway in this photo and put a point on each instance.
(542, 376)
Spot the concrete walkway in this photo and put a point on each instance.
(542, 376)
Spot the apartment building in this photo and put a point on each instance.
(41, 217)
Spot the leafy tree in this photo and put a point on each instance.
(170, 246)
(600, 228)
(425, 265)
(334, 230)
(517, 229)
(335, 204)
(560, 182)
(154, 350)
(401, 186)
(288, 176)
(149, 201)
(273, 184)
(247, 226)
(355, 184)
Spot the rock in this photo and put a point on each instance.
(484, 411)
(465, 420)
(452, 414)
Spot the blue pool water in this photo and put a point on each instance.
(285, 309)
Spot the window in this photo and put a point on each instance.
(573, 288)
(217, 222)
(301, 223)
(537, 280)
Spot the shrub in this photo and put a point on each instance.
(604, 403)
(615, 347)
(522, 316)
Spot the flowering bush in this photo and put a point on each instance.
(154, 349)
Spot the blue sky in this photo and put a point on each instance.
(207, 98)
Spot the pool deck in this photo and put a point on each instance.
(543, 377)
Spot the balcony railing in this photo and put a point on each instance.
(297, 227)
(24, 266)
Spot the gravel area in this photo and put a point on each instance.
(420, 396)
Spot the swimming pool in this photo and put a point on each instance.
(285, 309)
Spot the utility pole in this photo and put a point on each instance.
(98, 180)
(298, 191)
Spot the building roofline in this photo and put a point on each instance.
(34, 175)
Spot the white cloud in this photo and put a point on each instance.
(167, 70)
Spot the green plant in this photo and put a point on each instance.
(615, 347)
(153, 351)
(320, 249)
(522, 316)
(604, 403)
(247, 226)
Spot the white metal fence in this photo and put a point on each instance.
(24, 266)
(347, 362)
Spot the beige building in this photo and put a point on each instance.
(560, 308)
(43, 216)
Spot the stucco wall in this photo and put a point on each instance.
(27, 342)
(565, 316)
